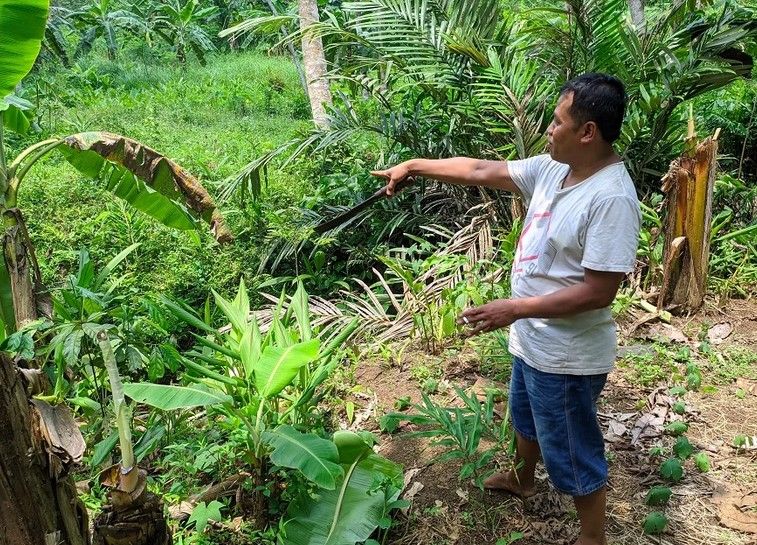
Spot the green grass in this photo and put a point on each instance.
(212, 120)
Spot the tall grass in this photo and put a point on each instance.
(212, 120)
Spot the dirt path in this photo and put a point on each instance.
(718, 506)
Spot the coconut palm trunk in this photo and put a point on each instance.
(315, 64)
(637, 13)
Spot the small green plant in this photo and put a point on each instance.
(702, 462)
(672, 470)
(658, 495)
(655, 523)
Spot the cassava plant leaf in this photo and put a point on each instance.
(683, 448)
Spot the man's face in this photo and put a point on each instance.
(564, 134)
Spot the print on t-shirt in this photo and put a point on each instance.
(531, 245)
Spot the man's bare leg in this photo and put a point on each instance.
(519, 481)
(591, 512)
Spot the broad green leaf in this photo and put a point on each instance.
(16, 119)
(277, 366)
(679, 407)
(237, 318)
(242, 301)
(672, 470)
(353, 446)
(683, 448)
(702, 462)
(203, 512)
(301, 309)
(655, 523)
(85, 403)
(348, 514)
(168, 398)
(22, 26)
(315, 457)
(144, 178)
(658, 495)
(250, 349)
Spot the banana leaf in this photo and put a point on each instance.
(145, 179)
(351, 512)
(168, 398)
(315, 457)
(22, 26)
(278, 366)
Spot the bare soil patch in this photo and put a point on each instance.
(446, 510)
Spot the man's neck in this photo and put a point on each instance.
(586, 167)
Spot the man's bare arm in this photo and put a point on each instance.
(456, 170)
(596, 291)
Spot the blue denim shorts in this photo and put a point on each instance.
(560, 413)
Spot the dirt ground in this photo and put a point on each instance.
(714, 507)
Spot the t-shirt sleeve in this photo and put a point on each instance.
(612, 235)
(525, 173)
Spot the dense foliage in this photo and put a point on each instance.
(253, 385)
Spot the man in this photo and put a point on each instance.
(579, 240)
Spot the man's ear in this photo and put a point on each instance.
(589, 132)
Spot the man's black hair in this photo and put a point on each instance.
(600, 98)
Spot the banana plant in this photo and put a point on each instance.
(263, 373)
(182, 26)
(99, 20)
(356, 506)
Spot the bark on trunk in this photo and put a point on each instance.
(19, 263)
(315, 64)
(637, 14)
(689, 186)
(38, 501)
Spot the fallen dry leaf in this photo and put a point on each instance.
(719, 332)
(737, 510)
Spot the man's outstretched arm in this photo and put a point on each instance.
(456, 170)
(597, 290)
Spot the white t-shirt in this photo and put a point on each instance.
(593, 225)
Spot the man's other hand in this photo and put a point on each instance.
(493, 315)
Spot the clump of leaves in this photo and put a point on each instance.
(683, 448)
(658, 495)
(702, 462)
(677, 428)
(655, 523)
(672, 470)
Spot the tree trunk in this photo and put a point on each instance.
(19, 263)
(637, 14)
(38, 501)
(315, 64)
(689, 186)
